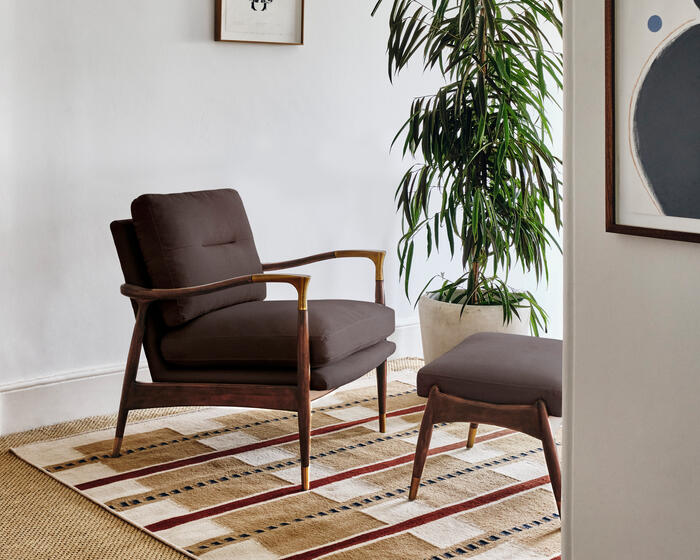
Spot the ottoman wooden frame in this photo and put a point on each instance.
(532, 420)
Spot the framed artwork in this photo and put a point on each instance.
(279, 22)
(653, 118)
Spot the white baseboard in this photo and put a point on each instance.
(60, 398)
(407, 340)
(95, 391)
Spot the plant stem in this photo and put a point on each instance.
(473, 300)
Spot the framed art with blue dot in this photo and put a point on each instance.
(653, 118)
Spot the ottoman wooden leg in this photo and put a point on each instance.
(426, 432)
(550, 452)
(472, 435)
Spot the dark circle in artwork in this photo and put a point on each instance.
(667, 126)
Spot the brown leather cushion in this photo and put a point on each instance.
(329, 376)
(499, 368)
(264, 333)
(195, 238)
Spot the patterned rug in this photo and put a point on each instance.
(224, 483)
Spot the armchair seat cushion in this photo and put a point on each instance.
(264, 334)
(324, 378)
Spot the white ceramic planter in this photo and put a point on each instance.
(442, 328)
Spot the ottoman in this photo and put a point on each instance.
(505, 380)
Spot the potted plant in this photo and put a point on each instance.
(487, 178)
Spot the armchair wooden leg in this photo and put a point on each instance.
(304, 442)
(303, 395)
(550, 452)
(381, 392)
(132, 366)
(472, 435)
(423, 445)
(119, 432)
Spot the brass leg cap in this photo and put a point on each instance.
(382, 423)
(305, 478)
(471, 438)
(413, 492)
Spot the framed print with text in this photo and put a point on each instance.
(279, 22)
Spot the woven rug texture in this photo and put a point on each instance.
(224, 483)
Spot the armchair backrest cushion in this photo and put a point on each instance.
(194, 238)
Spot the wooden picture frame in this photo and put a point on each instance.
(678, 18)
(288, 13)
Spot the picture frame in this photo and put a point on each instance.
(274, 22)
(652, 148)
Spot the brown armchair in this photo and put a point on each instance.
(211, 338)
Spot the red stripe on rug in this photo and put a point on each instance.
(153, 469)
(389, 530)
(556, 558)
(287, 490)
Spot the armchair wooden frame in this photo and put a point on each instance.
(137, 395)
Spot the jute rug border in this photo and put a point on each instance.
(104, 507)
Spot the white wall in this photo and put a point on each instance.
(101, 101)
(632, 354)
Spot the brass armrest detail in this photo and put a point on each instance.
(377, 257)
(299, 281)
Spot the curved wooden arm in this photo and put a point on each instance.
(377, 257)
(139, 293)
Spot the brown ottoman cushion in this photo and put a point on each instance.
(500, 369)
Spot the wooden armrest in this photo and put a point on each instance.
(139, 293)
(377, 257)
